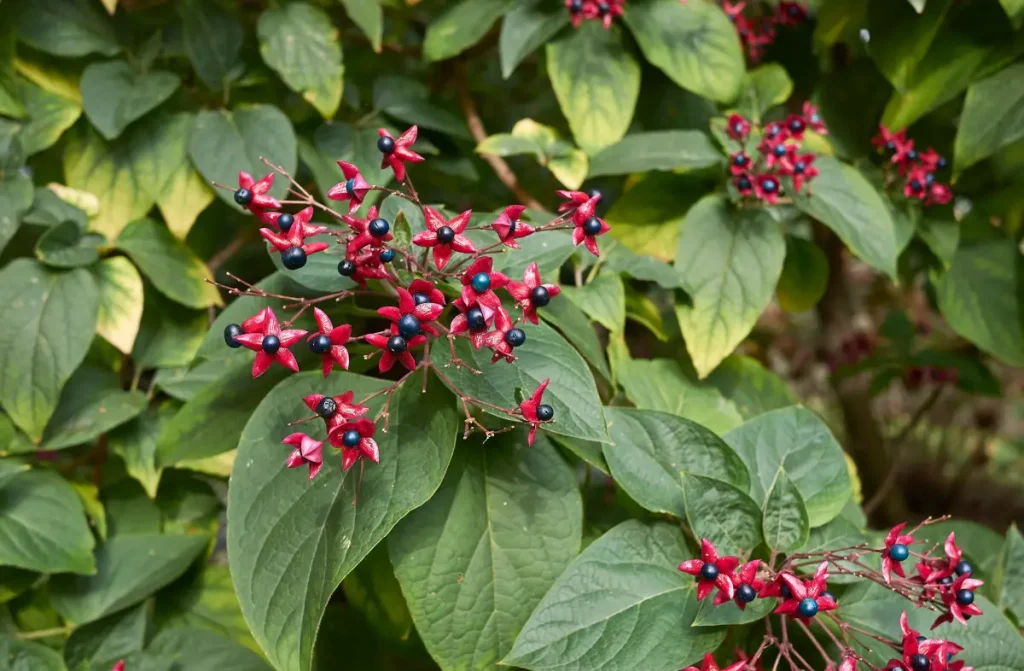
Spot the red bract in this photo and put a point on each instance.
(956, 610)
(254, 324)
(368, 267)
(497, 339)
(737, 127)
(775, 131)
(402, 152)
(889, 565)
(888, 140)
(724, 565)
(353, 189)
(733, 10)
(802, 170)
(744, 183)
(849, 663)
(521, 291)
(363, 235)
(337, 353)
(929, 159)
(806, 589)
(901, 155)
(739, 163)
(366, 447)
(813, 119)
(118, 667)
(444, 236)
(427, 291)
(423, 312)
(477, 270)
(307, 451)
(746, 575)
(709, 665)
(529, 410)
(296, 236)
(271, 344)
(605, 10)
(389, 354)
(790, 13)
(767, 188)
(301, 218)
(773, 150)
(345, 409)
(460, 324)
(573, 199)
(774, 588)
(938, 194)
(588, 226)
(260, 200)
(509, 227)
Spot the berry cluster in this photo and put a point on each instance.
(759, 173)
(605, 10)
(941, 583)
(757, 31)
(917, 169)
(416, 320)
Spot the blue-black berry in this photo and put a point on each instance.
(740, 160)
(293, 258)
(475, 319)
(920, 663)
(890, 146)
(576, 7)
(545, 412)
(929, 179)
(232, 331)
(779, 150)
(515, 337)
(319, 344)
(539, 297)
(350, 438)
(481, 282)
(785, 591)
(445, 234)
(737, 128)
(243, 197)
(941, 163)
(603, 8)
(965, 597)
(769, 186)
(397, 344)
(387, 256)
(948, 580)
(831, 596)
(420, 298)
(915, 185)
(378, 227)
(964, 567)
(285, 221)
(911, 155)
(350, 187)
(594, 193)
(796, 125)
(808, 607)
(709, 571)
(746, 593)
(386, 145)
(592, 226)
(899, 552)
(744, 183)
(326, 407)
(271, 344)
(346, 268)
(799, 167)
(408, 325)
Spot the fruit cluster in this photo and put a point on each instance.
(757, 29)
(917, 169)
(479, 314)
(777, 164)
(604, 10)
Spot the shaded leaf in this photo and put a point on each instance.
(785, 523)
(603, 299)
(460, 27)
(65, 246)
(103, 643)
(212, 41)
(525, 29)
(676, 150)
(765, 87)
(661, 384)
(91, 404)
(577, 329)
(168, 263)
(992, 118)
(114, 94)
(804, 275)
(66, 28)
(368, 15)
(136, 443)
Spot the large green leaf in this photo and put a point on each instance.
(603, 299)
(796, 440)
(572, 392)
(651, 451)
(43, 525)
(291, 541)
(750, 386)
(128, 569)
(51, 320)
(764, 88)
(979, 295)
(407, 100)
(136, 442)
(223, 143)
(120, 302)
(48, 115)
(199, 650)
(66, 28)
(573, 323)
(901, 36)
(15, 201)
(461, 26)
(212, 41)
(785, 522)
(646, 219)
(992, 118)
(597, 83)
(66, 246)
(114, 94)
(723, 512)
(842, 198)
(368, 15)
(1008, 576)
(301, 44)
(170, 333)
(92, 403)
(693, 43)
(622, 600)
(204, 599)
(21, 655)
(526, 28)
(804, 275)
(661, 384)
(675, 150)
(478, 557)
(1015, 11)
(729, 261)
(172, 267)
(103, 643)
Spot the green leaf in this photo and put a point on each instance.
(647, 218)
(695, 44)
(212, 39)
(65, 246)
(597, 83)
(199, 650)
(368, 15)
(651, 451)
(114, 94)
(223, 143)
(21, 655)
(48, 115)
(722, 511)
(796, 440)
(299, 42)
(168, 263)
(619, 258)
(460, 27)
(373, 591)
(546, 355)
(804, 275)
(508, 144)
(277, 518)
(677, 150)
(15, 201)
(992, 118)
(979, 297)
(901, 36)
(625, 582)
(340, 141)
(129, 568)
(207, 602)
(710, 615)
(1015, 11)
(785, 522)
(603, 299)
(480, 555)
(843, 199)
(660, 384)
(1009, 572)
(751, 387)
(136, 443)
(120, 302)
(69, 28)
(49, 209)
(212, 422)
(729, 262)
(524, 29)
(92, 403)
(101, 644)
(51, 320)
(571, 321)
(942, 235)
(406, 99)
(765, 87)
(169, 335)
(43, 526)
(184, 383)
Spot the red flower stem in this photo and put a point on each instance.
(839, 644)
(300, 191)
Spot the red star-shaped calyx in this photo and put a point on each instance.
(806, 589)
(260, 200)
(368, 266)
(588, 226)
(813, 119)
(722, 566)
(938, 652)
(307, 451)
(429, 293)
(254, 324)
(392, 350)
(497, 339)
(509, 227)
(423, 312)
(301, 219)
(366, 447)
(773, 588)
(522, 292)
(572, 199)
(889, 140)
(480, 274)
(345, 409)
(528, 408)
(444, 236)
(737, 127)
(296, 235)
(271, 344)
(849, 663)
(709, 665)
(767, 187)
(800, 167)
(790, 13)
(460, 324)
(353, 189)
(938, 194)
(746, 575)
(950, 598)
(119, 666)
(894, 537)
(337, 353)
(363, 236)
(396, 159)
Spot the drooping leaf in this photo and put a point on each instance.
(316, 533)
(301, 44)
(460, 27)
(693, 43)
(212, 41)
(723, 512)
(673, 150)
(785, 522)
(92, 403)
(804, 275)
(901, 36)
(597, 82)
(103, 643)
(168, 263)
(796, 440)
(729, 262)
(524, 29)
(368, 15)
(992, 118)
(625, 582)
(765, 87)
(660, 384)
(114, 94)
(69, 28)
(478, 557)
(603, 299)
(51, 318)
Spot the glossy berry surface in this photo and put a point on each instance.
(231, 331)
(539, 296)
(799, 167)
(515, 337)
(603, 8)
(899, 552)
(319, 344)
(293, 258)
(709, 571)
(445, 234)
(915, 185)
(595, 193)
(326, 407)
(243, 197)
(350, 187)
(408, 326)
(919, 662)
(271, 344)
(746, 593)
(420, 299)
(576, 7)
(744, 183)
(397, 344)
(475, 319)
(911, 155)
(285, 221)
(796, 125)
(379, 227)
(592, 226)
(964, 567)
(350, 438)
(780, 150)
(948, 580)
(942, 163)
(545, 412)
(346, 268)
(769, 186)
(740, 160)
(965, 597)
(808, 608)
(831, 596)
(387, 256)
(386, 145)
(481, 282)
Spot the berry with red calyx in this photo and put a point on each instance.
(243, 197)
(294, 239)
(709, 665)
(386, 144)
(531, 293)
(475, 319)
(252, 194)
(293, 258)
(354, 189)
(366, 446)
(545, 413)
(895, 552)
(301, 220)
(232, 331)
(767, 188)
(326, 408)
(813, 119)
(329, 342)
(807, 597)
(509, 227)
(387, 256)
(350, 438)
(739, 163)
(534, 412)
(708, 564)
(397, 151)
(307, 451)
(444, 236)
(744, 184)
(573, 199)
(796, 125)
(409, 318)
(346, 268)
(394, 348)
(408, 326)
(595, 193)
(378, 227)
(397, 344)
(737, 127)
(424, 292)
(515, 337)
(420, 299)
(480, 281)
(575, 6)
(285, 221)
(746, 593)
(587, 226)
(271, 344)
(344, 408)
(371, 231)
(920, 663)
(964, 567)
(319, 343)
(747, 585)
